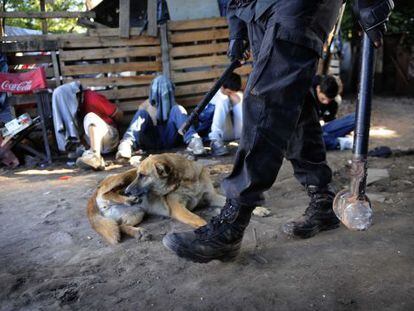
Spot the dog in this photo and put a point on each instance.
(167, 185)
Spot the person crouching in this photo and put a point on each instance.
(155, 125)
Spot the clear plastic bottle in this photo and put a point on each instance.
(354, 212)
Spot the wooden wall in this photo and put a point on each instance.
(122, 69)
(198, 56)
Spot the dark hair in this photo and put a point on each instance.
(329, 86)
(233, 82)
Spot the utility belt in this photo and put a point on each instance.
(239, 3)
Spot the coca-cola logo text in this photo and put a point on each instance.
(16, 87)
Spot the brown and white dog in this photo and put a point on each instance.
(165, 185)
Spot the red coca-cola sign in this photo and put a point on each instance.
(25, 82)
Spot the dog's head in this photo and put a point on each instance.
(156, 175)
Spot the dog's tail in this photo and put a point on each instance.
(106, 227)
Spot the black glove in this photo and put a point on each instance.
(237, 49)
(373, 16)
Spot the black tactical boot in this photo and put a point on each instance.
(319, 215)
(219, 239)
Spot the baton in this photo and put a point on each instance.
(204, 102)
(352, 206)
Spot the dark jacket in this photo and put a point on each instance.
(327, 112)
(304, 22)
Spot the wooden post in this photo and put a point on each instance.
(44, 21)
(55, 65)
(124, 10)
(2, 20)
(165, 51)
(152, 18)
(54, 14)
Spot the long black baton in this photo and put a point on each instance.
(204, 102)
(352, 206)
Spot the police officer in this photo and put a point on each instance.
(286, 38)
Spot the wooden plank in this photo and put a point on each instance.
(130, 105)
(181, 77)
(67, 36)
(189, 102)
(152, 17)
(16, 100)
(112, 61)
(166, 67)
(52, 84)
(199, 49)
(55, 66)
(28, 59)
(2, 21)
(132, 92)
(84, 22)
(50, 73)
(177, 64)
(192, 89)
(124, 18)
(86, 42)
(204, 35)
(82, 40)
(118, 81)
(56, 14)
(44, 21)
(197, 24)
(110, 52)
(48, 70)
(28, 46)
(118, 67)
(111, 32)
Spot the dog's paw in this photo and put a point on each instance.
(142, 234)
(135, 161)
(261, 211)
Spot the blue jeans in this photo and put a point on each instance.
(145, 135)
(5, 111)
(205, 119)
(337, 128)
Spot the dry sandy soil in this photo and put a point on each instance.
(51, 259)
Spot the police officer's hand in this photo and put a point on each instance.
(373, 16)
(238, 50)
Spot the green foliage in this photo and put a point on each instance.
(57, 25)
(347, 23)
(401, 21)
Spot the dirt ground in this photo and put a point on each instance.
(51, 259)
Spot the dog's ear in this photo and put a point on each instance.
(163, 169)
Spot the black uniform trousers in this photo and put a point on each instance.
(278, 122)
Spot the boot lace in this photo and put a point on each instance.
(318, 200)
(227, 215)
(313, 205)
